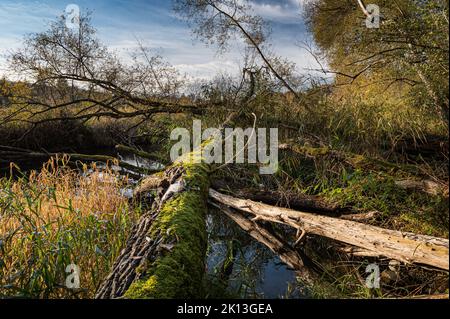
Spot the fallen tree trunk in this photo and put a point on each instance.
(282, 249)
(13, 154)
(292, 200)
(406, 247)
(164, 255)
(433, 146)
(426, 186)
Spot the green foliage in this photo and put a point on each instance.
(408, 52)
(400, 209)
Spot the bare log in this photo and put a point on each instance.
(406, 247)
(294, 200)
(9, 153)
(148, 184)
(425, 186)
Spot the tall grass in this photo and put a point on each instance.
(369, 123)
(57, 217)
(370, 126)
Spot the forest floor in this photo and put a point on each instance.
(58, 213)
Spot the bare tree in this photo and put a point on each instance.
(218, 21)
(73, 76)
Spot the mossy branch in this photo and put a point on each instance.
(165, 254)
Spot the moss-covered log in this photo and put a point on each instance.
(165, 253)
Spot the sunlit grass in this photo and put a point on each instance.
(57, 217)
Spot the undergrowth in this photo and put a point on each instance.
(55, 217)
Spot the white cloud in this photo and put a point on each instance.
(209, 69)
(173, 41)
(18, 19)
(285, 12)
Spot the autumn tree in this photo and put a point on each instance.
(410, 45)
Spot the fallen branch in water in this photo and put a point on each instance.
(283, 250)
(406, 247)
(13, 154)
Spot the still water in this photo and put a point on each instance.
(256, 271)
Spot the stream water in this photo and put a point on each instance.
(256, 271)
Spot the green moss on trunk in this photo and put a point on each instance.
(178, 271)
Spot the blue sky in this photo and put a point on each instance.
(119, 22)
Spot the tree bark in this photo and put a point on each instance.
(164, 255)
(406, 247)
(283, 250)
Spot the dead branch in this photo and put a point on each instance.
(12, 154)
(282, 249)
(406, 247)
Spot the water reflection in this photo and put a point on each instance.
(256, 271)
